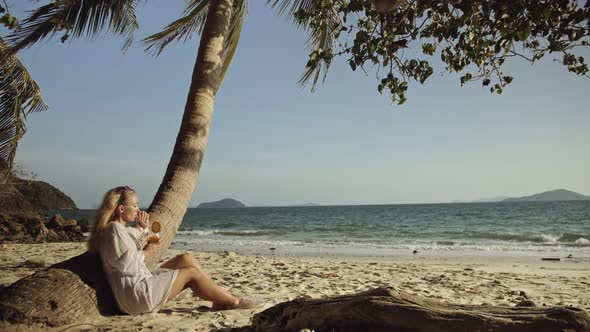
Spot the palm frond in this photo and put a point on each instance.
(192, 23)
(321, 39)
(322, 33)
(19, 96)
(183, 28)
(292, 6)
(78, 18)
(233, 35)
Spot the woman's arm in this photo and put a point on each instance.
(137, 232)
(116, 250)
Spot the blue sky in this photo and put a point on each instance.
(114, 117)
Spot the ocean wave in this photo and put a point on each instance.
(445, 243)
(231, 233)
(563, 238)
(233, 243)
(250, 233)
(573, 237)
(262, 246)
(197, 232)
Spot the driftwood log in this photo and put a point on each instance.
(385, 309)
(68, 292)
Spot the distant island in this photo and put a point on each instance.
(552, 195)
(227, 203)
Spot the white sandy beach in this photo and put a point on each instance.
(455, 279)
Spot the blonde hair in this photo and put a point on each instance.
(107, 213)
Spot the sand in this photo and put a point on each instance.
(498, 280)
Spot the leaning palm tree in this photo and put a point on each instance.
(219, 23)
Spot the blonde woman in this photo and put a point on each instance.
(136, 289)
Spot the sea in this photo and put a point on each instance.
(556, 229)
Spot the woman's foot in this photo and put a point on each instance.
(243, 304)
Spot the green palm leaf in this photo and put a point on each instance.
(233, 36)
(292, 6)
(19, 96)
(191, 24)
(78, 18)
(183, 28)
(322, 26)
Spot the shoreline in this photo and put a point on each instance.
(472, 280)
(384, 254)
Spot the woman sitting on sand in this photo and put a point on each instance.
(136, 289)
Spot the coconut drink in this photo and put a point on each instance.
(155, 229)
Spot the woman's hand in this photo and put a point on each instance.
(151, 248)
(143, 219)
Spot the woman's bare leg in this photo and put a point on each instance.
(202, 286)
(183, 261)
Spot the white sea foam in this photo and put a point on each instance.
(551, 238)
(296, 247)
(230, 232)
(197, 232)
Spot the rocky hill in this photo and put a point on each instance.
(20, 221)
(224, 203)
(43, 196)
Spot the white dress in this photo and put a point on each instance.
(136, 289)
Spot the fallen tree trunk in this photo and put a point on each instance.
(385, 309)
(64, 293)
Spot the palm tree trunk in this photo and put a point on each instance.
(75, 290)
(173, 196)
